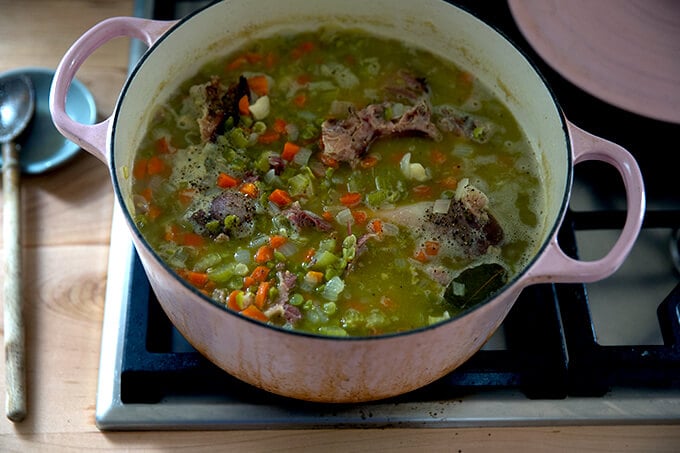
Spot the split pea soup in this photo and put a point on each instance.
(338, 183)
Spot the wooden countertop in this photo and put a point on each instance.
(66, 223)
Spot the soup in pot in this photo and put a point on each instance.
(338, 183)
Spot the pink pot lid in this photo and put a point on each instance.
(625, 52)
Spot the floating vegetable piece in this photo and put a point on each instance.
(475, 285)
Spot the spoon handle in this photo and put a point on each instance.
(13, 320)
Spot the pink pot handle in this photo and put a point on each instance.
(92, 138)
(554, 265)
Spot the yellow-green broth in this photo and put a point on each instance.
(386, 288)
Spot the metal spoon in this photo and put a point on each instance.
(17, 105)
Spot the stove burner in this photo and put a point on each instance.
(675, 249)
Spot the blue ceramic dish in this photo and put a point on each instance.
(42, 147)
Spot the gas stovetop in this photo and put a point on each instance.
(607, 352)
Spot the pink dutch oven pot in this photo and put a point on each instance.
(331, 369)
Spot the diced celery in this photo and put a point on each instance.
(323, 259)
(221, 273)
(207, 261)
(327, 244)
(332, 331)
(298, 184)
(309, 131)
(377, 198)
(238, 137)
(241, 269)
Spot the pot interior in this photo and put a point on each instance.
(433, 24)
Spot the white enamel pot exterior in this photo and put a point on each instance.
(344, 369)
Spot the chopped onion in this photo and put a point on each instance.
(441, 206)
(344, 217)
(242, 256)
(418, 172)
(333, 288)
(405, 165)
(271, 178)
(288, 249)
(390, 229)
(461, 188)
(292, 131)
(260, 108)
(302, 156)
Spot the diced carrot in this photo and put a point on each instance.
(289, 151)
(162, 146)
(260, 273)
(192, 239)
(225, 181)
(280, 198)
(268, 137)
(350, 199)
(171, 233)
(270, 59)
(369, 161)
(314, 277)
(421, 256)
(277, 241)
(422, 190)
(155, 166)
(253, 57)
(309, 255)
(303, 79)
(147, 194)
(262, 294)
(253, 312)
(243, 106)
(327, 215)
(377, 226)
(307, 46)
(359, 216)
(186, 195)
(450, 182)
(248, 281)
(264, 253)
(300, 100)
(438, 157)
(466, 77)
(431, 248)
(154, 212)
(279, 125)
(139, 169)
(328, 161)
(249, 189)
(259, 84)
(302, 49)
(237, 63)
(197, 278)
(232, 302)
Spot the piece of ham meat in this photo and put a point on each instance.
(348, 139)
(218, 103)
(466, 230)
